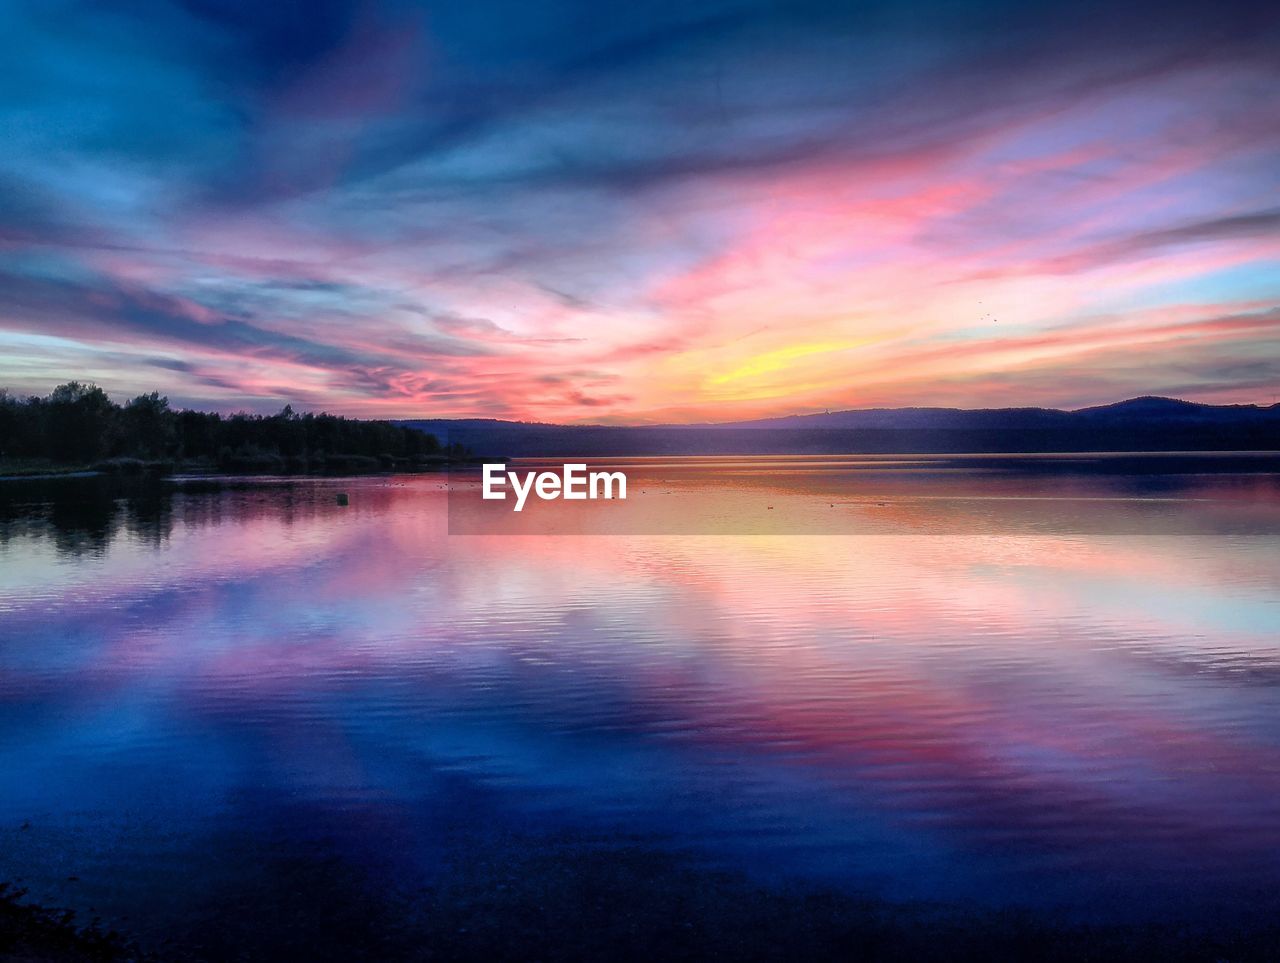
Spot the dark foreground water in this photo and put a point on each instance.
(931, 712)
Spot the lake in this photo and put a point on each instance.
(812, 695)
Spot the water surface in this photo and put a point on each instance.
(1053, 692)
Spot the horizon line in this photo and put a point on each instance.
(230, 412)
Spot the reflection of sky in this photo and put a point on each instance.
(670, 211)
(1056, 717)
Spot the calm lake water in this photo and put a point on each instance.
(227, 707)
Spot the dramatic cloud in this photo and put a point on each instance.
(577, 211)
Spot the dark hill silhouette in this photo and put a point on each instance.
(1170, 409)
(1138, 424)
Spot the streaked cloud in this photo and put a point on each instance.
(577, 212)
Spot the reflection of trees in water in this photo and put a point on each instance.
(83, 516)
(82, 526)
(210, 502)
(147, 514)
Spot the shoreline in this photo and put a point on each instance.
(1088, 462)
(642, 904)
(338, 466)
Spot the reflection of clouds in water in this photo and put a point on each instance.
(1011, 709)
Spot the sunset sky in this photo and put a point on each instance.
(638, 212)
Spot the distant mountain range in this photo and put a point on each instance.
(1139, 424)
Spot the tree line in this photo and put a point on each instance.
(79, 424)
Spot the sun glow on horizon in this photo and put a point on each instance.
(889, 216)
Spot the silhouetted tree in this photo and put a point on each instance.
(78, 423)
(147, 426)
